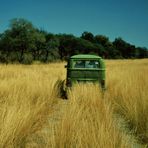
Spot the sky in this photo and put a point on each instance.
(127, 19)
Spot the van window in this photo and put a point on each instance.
(86, 64)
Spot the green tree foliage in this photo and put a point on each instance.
(142, 52)
(23, 35)
(66, 45)
(88, 36)
(21, 38)
(24, 43)
(127, 50)
(39, 44)
(70, 45)
(101, 39)
(51, 50)
(6, 46)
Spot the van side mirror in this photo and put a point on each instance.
(65, 66)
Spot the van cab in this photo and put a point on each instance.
(85, 68)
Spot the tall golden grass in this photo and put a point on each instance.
(33, 115)
(88, 122)
(128, 93)
(27, 95)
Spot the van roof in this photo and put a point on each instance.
(85, 56)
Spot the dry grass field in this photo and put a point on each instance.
(32, 114)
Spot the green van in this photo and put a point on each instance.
(85, 68)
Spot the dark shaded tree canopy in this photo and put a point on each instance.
(24, 43)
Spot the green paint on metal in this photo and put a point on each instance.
(85, 68)
(85, 56)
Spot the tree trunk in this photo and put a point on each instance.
(34, 55)
(22, 55)
(61, 53)
(46, 58)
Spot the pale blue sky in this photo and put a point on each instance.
(114, 18)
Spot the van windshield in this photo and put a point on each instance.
(86, 64)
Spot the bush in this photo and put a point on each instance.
(13, 57)
(27, 59)
(3, 58)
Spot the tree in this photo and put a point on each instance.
(51, 49)
(142, 52)
(108, 51)
(40, 44)
(67, 43)
(24, 43)
(88, 36)
(101, 39)
(85, 46)
(24, 36)
(6, 46)
(127, 50)
(121, 46)
(70, 45)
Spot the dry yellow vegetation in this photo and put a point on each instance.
(33, 115)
